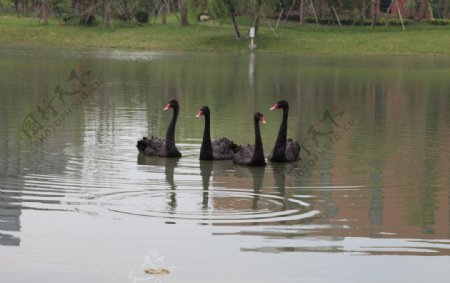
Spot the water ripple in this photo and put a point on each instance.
(233, 206)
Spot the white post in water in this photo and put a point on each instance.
(252, 44)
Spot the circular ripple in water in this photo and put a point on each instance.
(213, 206)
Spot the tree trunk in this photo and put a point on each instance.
(44, 4)
(446, 9)
(77, 5)
(126, 12)
(236, 28)
(417, 8)
(233, 19)
(184, 13)
(257, 12)
(302, 12)
(426, 10)
(106, 14)
(373, 13)
(164, 12)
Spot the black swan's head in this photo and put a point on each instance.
(281, 104)
(172, 104)
(259, 117)
(204, 111)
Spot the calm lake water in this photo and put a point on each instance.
(368, 202)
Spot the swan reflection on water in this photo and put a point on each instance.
(226, 194)
(169, 165)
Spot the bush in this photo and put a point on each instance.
(439, 22)
(62, 11)
(366, 22)
(68, 18)
(87, 19)
(141, 17)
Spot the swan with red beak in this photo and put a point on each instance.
(163, 147)
(285, 150)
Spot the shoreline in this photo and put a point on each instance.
(420, 40)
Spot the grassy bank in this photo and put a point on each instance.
(214, 36)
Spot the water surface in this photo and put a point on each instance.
(369, 201)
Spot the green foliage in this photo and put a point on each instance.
(349, 10)
(221, 8)
(141, 17)
(87, 19)
(62, 10)
(366, 22)
(218, 8)
(5, 3)
(439, 22)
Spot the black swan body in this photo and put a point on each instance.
(221, 149)
(285, 150)
(163, 147)
(252, 155)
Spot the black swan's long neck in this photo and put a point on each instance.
(206, 152)
(279, 150)
(258, 155)
(282, 133)
(170, 135)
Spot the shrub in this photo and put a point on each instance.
(67, 18)
(87, 19)
(366, 22)
(141, 17)
(439, 22)
(124, 17)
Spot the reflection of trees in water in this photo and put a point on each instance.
(9, 220)
(10, 212)
(14, 189)
(390, 105)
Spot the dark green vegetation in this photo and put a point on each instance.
(323, 11)
(328, 27)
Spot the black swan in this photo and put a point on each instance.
(285, 150)
(220, 149)
(163, 147)
(252, 155)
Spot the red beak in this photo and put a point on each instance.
(168, 106)
(275, 106)
(262, 120)
(199, 114)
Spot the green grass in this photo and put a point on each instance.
(219, 36)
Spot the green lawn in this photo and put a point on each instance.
(216, 36)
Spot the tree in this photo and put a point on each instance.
(184, 13)
(232, 11)
(302, 12)
(44, 7)
(258, 5)
(164, 10)
(373, 13)
(106, 14)
(417, 8)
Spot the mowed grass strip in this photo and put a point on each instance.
(219, 36)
